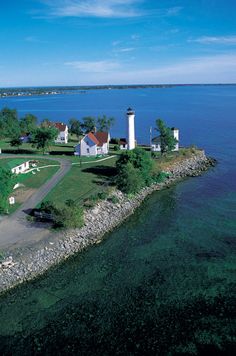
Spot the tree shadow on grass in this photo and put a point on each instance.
(104, 174)
(59, 153)
(20, 151)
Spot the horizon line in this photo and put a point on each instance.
(111, 85)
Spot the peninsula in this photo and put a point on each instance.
(126, 174)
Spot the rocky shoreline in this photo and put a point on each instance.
(19, 267)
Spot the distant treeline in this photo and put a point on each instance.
(70, 89)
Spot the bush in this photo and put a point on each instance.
(70, 215)
(48, 207)
(102, 195)
(114, 199)
(129, 179)
(116, 148)
(134, 170)
(160, 177)
(193, 149)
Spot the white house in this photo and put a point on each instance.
(18, 165)
(93, 144)
(63, 132)
(156, 142)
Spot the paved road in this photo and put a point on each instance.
(15, 228)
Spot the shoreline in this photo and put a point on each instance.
(21, 266)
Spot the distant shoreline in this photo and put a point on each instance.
(58, 90)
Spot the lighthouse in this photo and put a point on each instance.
(130, 128)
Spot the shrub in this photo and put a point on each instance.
(160, 177)
(116, 148)
(129, 179)
(48, 207)
(114, 199)
(193, 149)
(102, 195)
(69, 216)
(134, 170)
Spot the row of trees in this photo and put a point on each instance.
(44, 134)
(90, 123)
(11, 126)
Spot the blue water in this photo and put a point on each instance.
(163, 283)
(199, 112)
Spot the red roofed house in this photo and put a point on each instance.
(63, 132)
(93, 144)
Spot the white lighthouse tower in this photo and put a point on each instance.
(130, 129)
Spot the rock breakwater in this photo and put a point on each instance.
(25, 264)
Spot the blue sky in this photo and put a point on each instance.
(89, 42)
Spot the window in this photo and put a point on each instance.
(87, 150)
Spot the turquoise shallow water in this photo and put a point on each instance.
(163, 283)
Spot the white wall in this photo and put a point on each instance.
(86, 148)
(62, 136)
(131, 131)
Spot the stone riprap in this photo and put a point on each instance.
(26, 263)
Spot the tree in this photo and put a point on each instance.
(9, 123)
(16, 142)
(134, 170)
(7, 182)
(42, 137)
(89, 124)
(129, 179)
(168, 141)
(140, 159)
(76, 127)
(105, 123)
(45, 123)
(28, 123)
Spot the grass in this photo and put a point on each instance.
(82, 182)
(35, 181)
(31, 181)
(26, 148)
(161, 163)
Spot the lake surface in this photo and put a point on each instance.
(163, 283)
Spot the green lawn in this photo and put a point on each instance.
(35, 181)
(30, 180)
(81, 182)
(27, 148)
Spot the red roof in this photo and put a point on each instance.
(93, 138)
(102, 137)
(60, 126)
